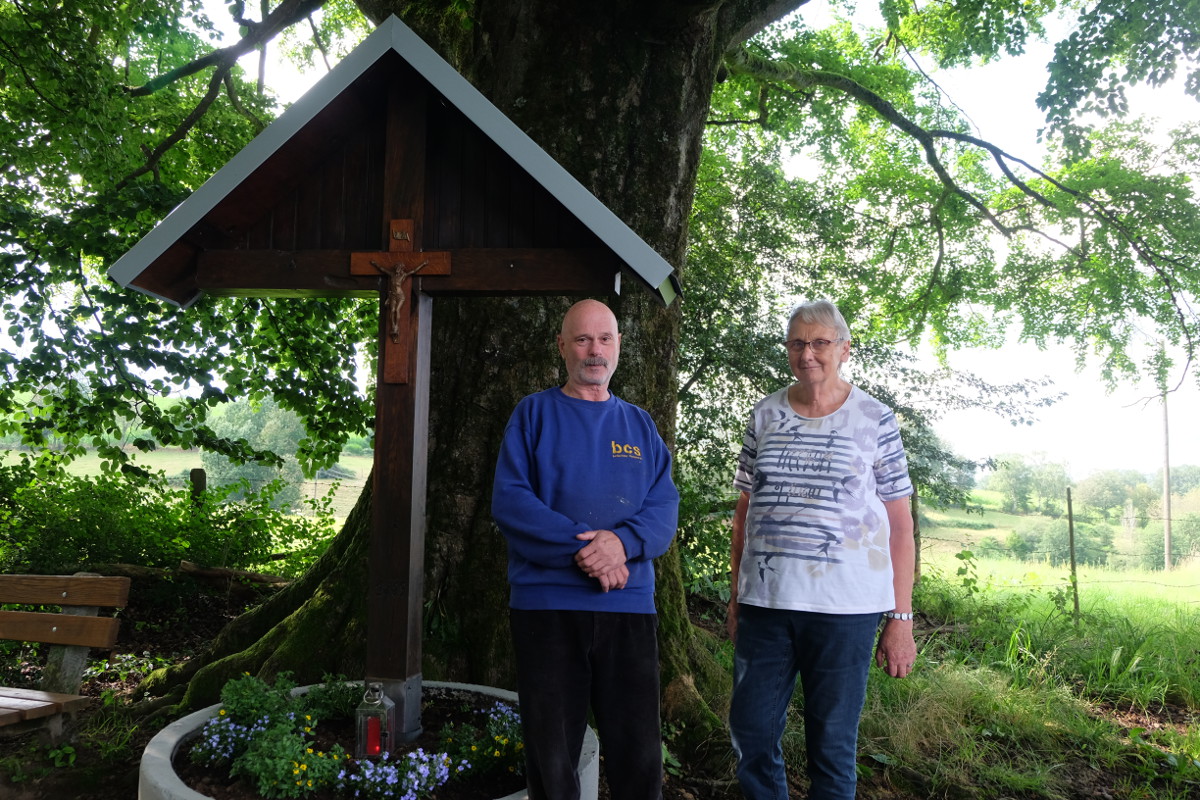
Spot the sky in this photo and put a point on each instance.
(1089, 430)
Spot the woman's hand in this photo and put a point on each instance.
(731, 619)
(897, 650)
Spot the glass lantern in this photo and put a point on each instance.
(375, 720)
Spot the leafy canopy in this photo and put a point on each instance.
(833, 166)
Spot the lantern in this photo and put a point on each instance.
(375, 720)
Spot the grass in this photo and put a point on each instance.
(1013, 696)
(1017, 696)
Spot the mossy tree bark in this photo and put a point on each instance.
(618, 93)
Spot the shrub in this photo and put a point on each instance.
(56, 522)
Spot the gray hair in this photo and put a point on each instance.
(820, 312)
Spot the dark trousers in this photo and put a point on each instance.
(832, 655)
(570, 660)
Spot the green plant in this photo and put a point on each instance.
(493, 744)
(62, 755)
(124, 667)
(333, 697)
(265, 734)
(110, 730)
(967, 572)
(281, 762)
(671, 763)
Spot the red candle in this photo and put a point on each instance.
(373, 747)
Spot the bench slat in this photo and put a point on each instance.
(22, 704)
(29, 626)
(64, 590)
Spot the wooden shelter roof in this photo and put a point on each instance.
(282, 217)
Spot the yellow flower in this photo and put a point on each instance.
(304, 766)
(221, 712)
(473, 748)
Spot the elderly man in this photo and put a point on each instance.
(583, 495)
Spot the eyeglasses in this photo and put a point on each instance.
(816, 345)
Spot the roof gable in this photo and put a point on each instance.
(312, 187)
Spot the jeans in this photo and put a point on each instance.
(570, 660)
(831, 653)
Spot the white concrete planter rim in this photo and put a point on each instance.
(157, 779)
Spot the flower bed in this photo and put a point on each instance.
(297, 755)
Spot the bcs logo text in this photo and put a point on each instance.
(626, 451)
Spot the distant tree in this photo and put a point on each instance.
(1021, 546)
(1107, 492)
(991, 547)
(1050, 484)
(263, 426)
(1013, 478)
(1185, 543)
(1184, 479)
(1093, 543)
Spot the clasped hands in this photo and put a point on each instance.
(603, 558)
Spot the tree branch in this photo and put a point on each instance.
(152, 159)
(742, 61)
(288, 13)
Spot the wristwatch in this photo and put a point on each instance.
(901, 615)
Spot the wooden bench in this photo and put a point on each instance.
(70, 633)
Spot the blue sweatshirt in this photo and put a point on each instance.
(568, 466)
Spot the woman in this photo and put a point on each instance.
(822, 546)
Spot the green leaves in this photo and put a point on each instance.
(1117, 45)
(89, 167)
(966, 31)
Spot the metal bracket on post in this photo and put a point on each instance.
(406, 695)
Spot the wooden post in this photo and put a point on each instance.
(397, 548)
(395, 574)
(1071, 546)
(1166, 489)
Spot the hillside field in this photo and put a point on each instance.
(945, 533)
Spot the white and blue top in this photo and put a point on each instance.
(817, 533)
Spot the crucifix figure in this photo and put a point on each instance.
(396, 275)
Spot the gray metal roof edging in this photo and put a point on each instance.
(393, 34)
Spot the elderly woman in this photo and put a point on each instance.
(822, 549)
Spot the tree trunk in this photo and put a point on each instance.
(617, 93)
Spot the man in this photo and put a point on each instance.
(584, 496)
